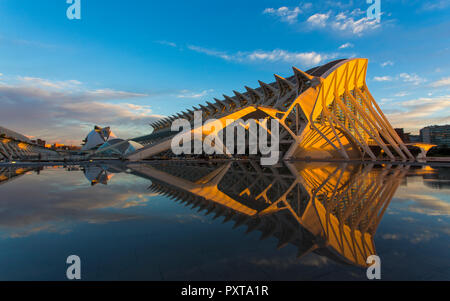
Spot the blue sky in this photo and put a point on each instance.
(127, 63)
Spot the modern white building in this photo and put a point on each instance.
(102, 142)
(97, 137)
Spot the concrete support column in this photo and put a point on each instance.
(5, 151)
(11, 150)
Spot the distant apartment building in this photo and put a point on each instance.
(436, 134)
(39, 142)
(60, 146)
(404, 136)
(414, 138)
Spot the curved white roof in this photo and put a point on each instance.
(14, 135)
(97, 137)
(93, 140)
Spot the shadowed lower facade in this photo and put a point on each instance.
(326, 112)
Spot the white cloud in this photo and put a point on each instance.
(190, 94)
(221, 54)
(351, 22)
(412, 78)
(113, 94)
(419, 199)
(347, 24)
(318, 20)
(36, 81)
(401, 94)
(391, 236)
(346, 45)
(382, 78)
(443, 82)
(64, 111)
(417, 113)
(343, 22)
(285, 14)
(423, 237)
(387, 63)
(277, 55)
(167, 43)
(436, 5)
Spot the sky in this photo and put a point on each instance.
(125, 64)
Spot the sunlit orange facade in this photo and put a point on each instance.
(324, 113)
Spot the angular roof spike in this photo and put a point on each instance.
(237, 102)
(253, 225)
(301, 76)
(268, 90)
(284, 240)
(255, 95)
(222, 103)
(186, 114)
(283, 83)
(240, 221)
(213, 105)
(242, 97)
(206, 108)
(228, 217)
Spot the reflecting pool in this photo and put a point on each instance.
(236, 220)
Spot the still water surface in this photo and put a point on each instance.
(225, 221)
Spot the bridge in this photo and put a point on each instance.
(424, 148)
(326, 112)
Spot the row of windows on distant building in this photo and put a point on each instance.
(435, 134)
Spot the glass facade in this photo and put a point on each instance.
(436, 134)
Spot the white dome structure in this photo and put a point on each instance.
(97, 137)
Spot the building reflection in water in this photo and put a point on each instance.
(97, 174)
(330, 209)
(8, 174)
